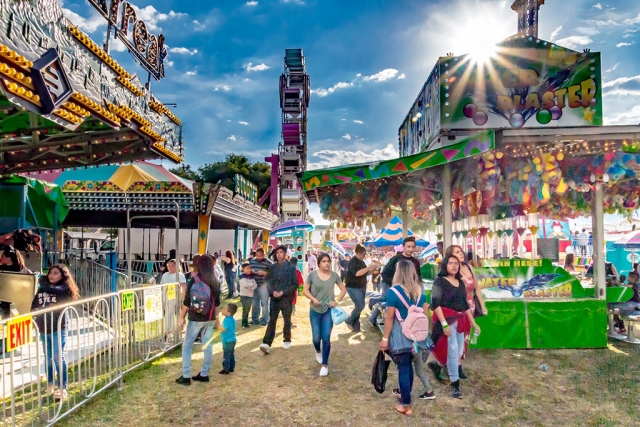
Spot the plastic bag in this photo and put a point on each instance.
(379, 372)
(338, 315)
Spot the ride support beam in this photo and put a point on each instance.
(204, 222)
(599, 255)
(447, 235)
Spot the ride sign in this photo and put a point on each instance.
(128, 301)
(18, 332)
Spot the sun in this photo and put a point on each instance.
(477, 33)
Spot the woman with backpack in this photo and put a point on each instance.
(402, 299)
(452, 319)
(201, 302)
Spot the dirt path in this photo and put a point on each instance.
(589, 387)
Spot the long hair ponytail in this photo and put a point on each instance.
(407, 276)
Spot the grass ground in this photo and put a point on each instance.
(506, 388)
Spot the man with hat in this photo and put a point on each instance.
(282, 284)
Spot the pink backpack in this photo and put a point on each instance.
(416, 325)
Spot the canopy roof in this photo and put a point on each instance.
(391, 235)
(46, 204)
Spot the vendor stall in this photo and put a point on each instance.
(487, 149)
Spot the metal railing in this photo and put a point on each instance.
(105, 337)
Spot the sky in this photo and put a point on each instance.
(367, 61)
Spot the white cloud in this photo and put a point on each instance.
(183, 51)
(573, 42)
(259, 67)
(633, 21)
(333, 158)
(383, 75)
(252, 3)
(607, 23)
(324, 92)
(623, 44)
(198, 25)
(225, 88)
(359, 122)
(620, 81)
(402, 76)
(151, 16)
(169, 63)
(293, 1)
(628, 117)
(597, 6)
(117, 45)
(247, 79)
(344, 120)
(232, 138)
(244, 123)
(555, 33)
(228, 121)
(191, 73)
(612, 68)
(587, 31)
(346, 136)
(90, 24)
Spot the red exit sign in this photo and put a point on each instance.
(19, 332)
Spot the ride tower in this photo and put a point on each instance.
(292, 150)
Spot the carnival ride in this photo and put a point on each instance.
(287, 199)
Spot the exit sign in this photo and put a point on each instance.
(19, 332)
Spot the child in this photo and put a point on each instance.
(248, 286)
(376, 278)
(294, 262)
(56, 288)
(228, 330)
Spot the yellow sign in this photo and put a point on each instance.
(19, 332)
(171, 292)
(128, 301)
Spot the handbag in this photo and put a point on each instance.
(477, 311)
(338, 315)
(379, 372)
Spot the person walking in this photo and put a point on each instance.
(248, 287)
(452, 319)
(282, 282)
(473, 293)
(228, 335)
(201, 302)
(319, 288)
(409, 291)
(312, 261)
(583, 242)
(356, 283)
(259, 266)
(230, 268)
(56, 288)
(343, 265)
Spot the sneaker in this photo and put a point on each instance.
(319, 358)
(200, 378)
(245, 326)
(50, 389)
(396, 392)
(622, 331)
(183, 381)
(437, 370)
(324, 371)
(224, 372)
(427, 395)
(60, 394)
(286, 345)
(461, 373)
(264, 323)
(265, 348)
(374, 326)
(455, 390)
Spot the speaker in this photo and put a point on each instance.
(299, 246)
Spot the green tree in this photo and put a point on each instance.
(185, 171)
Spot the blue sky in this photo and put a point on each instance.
(367, 61)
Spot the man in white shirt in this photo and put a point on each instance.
(174, 276)
(313, 262)
(217, 270)
(583, 242)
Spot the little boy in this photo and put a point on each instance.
(248, 286)
(228, 335)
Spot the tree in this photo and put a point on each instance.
(185, 171)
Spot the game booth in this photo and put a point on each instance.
(488, 149)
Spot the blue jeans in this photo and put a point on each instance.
(193, 329)
(54, 357)
(357, 296)
(230, 277)
(405, 376)
(455, 348)
(321, 326)
(260, 300)
(228, 356)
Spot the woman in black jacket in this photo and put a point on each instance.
(56, 288)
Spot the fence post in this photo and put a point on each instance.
(112, 262)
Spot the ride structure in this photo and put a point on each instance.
(287, 199)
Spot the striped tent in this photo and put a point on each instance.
(391, 235)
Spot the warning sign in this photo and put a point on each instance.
(152, 305)
(19, 332)
(171, 292)
(128, 301)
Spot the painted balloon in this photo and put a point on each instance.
(469, 110)
(480, 118)
(556, 112)
(516, 120)
(543, 117)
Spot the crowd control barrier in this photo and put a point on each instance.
(105, 337)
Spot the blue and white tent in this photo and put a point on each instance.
(391, 235)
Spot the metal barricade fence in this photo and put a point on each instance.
(105, 337)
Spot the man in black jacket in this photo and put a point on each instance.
(408, 248)
(282, 283)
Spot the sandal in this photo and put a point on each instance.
(405, 410)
